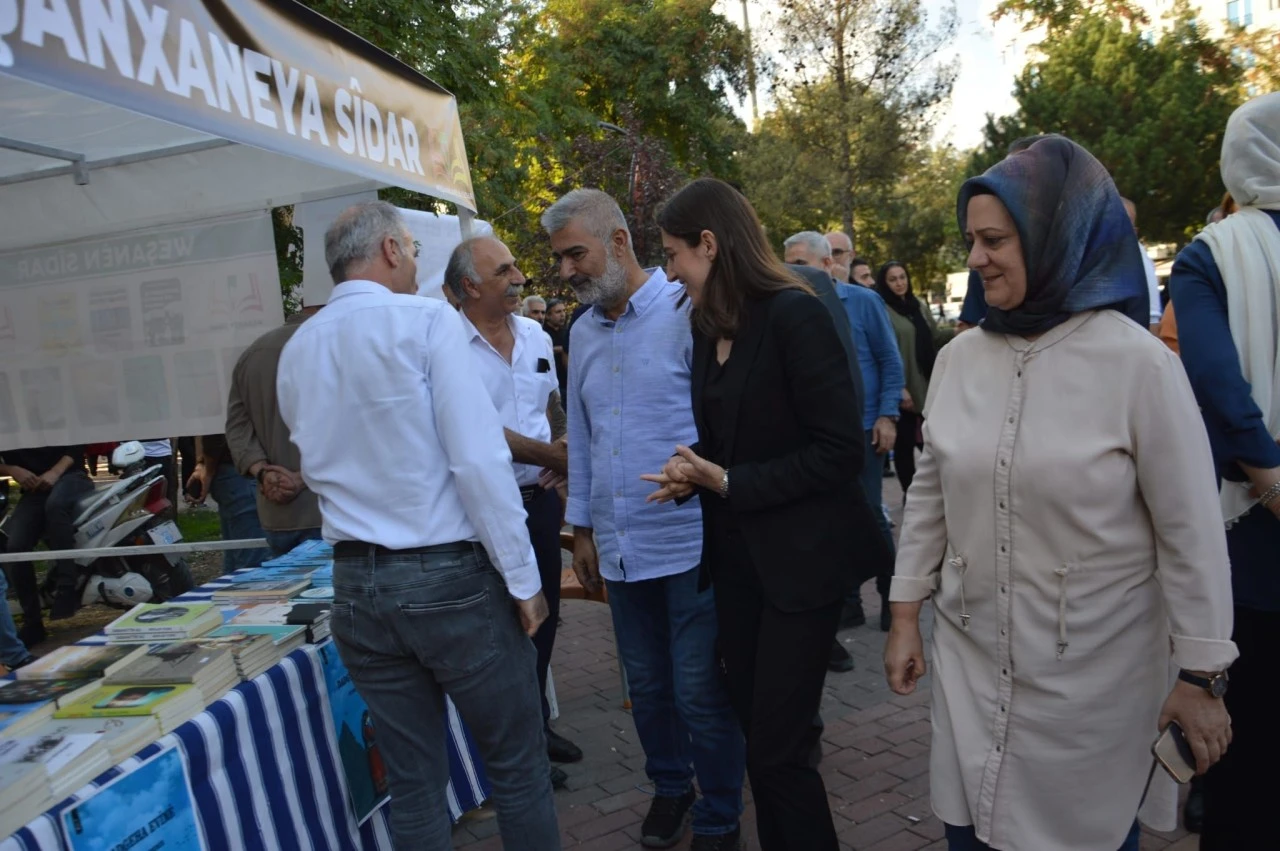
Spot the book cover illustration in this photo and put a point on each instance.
(148, 808)
(108, 701)
(160, 617)
(362, 765)
(19, 692)
(78, 661)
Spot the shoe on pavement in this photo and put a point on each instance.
(731, 841)
(839, 662)
(667, 821)
(65, 605)
(558, 778)
(852, 615)
(21, 663)
(560, 749)
(32, 633)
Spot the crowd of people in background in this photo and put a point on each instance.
(1095, 516)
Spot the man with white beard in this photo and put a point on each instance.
(630, 363)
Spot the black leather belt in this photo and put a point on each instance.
(531, 492)
(350, 549)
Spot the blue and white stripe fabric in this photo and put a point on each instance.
(265, 771)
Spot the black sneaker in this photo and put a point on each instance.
(560, 749)
(65, 604)
(667, 820)
(22, 663)
(852, 615)
(839, 662)
(720, 842)
(558, 778)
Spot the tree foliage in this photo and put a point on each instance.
(1151, 109)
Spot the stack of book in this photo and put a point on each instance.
(123, 737)
(253, 654)
(260, 592)
(25, 792)
(286, 638)
(170, 705)
(211, 670)
(25, 704)
(69, 761)
(313, 617)
(153, 623)
(80, 662)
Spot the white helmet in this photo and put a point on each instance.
(121, 591)
(127, 454)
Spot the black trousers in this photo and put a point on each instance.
(543, 522)
(775, 663)
(46, 516)
(904, 448)
(1242, 789)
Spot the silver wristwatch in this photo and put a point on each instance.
(724, 485)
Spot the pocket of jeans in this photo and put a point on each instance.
(342, 623)
(454, 638)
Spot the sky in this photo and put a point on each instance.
(988, 63)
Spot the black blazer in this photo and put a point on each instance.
(793, 446)
(824, 286)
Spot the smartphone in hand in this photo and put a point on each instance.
(1174, 754)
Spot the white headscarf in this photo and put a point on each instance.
(1246, 247)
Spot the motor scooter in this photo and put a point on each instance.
(126, 512)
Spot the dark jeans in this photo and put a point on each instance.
(1241, 789)
(238, 517)
(965, 839)
(283, 542)
(543, 521)
(775, 664)
(414, 628)
(666, 631)
(49, 516)
(872, 481)
(12, 650)
(904, 449)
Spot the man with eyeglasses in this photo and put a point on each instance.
(841, 255)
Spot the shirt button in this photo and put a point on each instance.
(1004, 672)
(998, 749)
(1003, 548)
(1003, 633)
(617, 493)
(622, 533)
(1002, 506)
(615, 450)
(1019, 373)
(1010, 418)
(617, 368)
(1002, 709)
(1004, 589)
(1002, 461)
(615, 412)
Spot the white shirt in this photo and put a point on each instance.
(518, 389)
(1153, 288)
(398, 438)
(156, 448)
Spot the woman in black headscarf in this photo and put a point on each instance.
(918, 341)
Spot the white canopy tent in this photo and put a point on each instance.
(142, 144)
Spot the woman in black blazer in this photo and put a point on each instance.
(776, 465)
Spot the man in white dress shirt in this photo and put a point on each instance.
(516, 363)
(436, 587)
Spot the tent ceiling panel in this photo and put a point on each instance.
(180, 188)
(57, 119)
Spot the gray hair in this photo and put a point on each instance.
(529, 302)
(356, 236)
(598, 212)
(811, 239)
(462, 264)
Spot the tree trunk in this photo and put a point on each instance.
(846, 145)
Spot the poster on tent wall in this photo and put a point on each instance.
(131, 336)
(271, 74)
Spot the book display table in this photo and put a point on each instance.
(269, 768)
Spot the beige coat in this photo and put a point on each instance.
(1064, 518)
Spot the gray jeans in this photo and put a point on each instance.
(413, 628)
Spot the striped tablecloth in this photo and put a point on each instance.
(265, 771)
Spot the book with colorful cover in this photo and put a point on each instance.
(110, 701)
(280, 634)
(27, 703)
(80, 661)
(155, 619)
(150, 807)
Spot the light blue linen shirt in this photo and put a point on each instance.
(878, 357)
(629, 405)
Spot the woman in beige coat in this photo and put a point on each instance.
(1064, 521)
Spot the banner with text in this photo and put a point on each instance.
(132, 336)
(271, 74)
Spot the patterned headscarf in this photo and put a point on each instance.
(1077, 241)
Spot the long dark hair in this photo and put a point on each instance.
(909, 306)
(745, 267)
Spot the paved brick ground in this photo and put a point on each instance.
(876, 748)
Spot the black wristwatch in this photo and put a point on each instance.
(1215, 685)
(262, 471)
